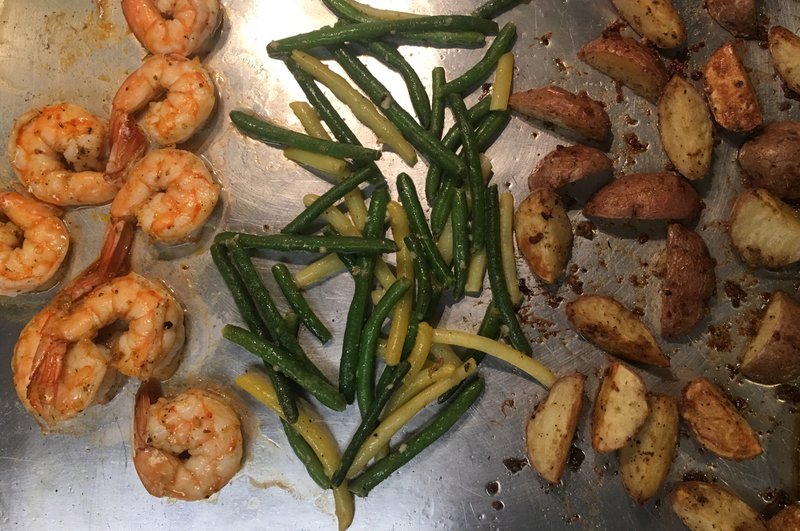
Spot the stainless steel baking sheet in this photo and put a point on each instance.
(61, 50)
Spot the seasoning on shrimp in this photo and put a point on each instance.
(188, 101)
(151, 345)
(33, 243)
(170, 192)
(188, 446)
(84, 377)
(59, 153)
(56, 379)
(172, 26)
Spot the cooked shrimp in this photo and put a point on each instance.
(151, 344)
(172, 26)
(84, 377)
(55, 378)
(186, 447)
(187, 105)
(174, 119)
(59, 153)
(171, 193)
(33, 243)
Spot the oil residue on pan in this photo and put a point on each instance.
(477, 476)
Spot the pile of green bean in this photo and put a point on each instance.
(465, 211)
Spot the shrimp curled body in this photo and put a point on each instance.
(188, 446)
(172, 26)
(151, 345)
(59, 153)
(33, 243)
(84, 378)
(170, 192)
(187, 105)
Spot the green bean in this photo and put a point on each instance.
(387, 385)
(283, 361)
(460, 222)
(419, 226)
(362, 270)
(292, 322)
(493, 8)
(338, 127)
(434, 311)
(477, 188)
(420, 138)
(311, 244)
(489, 128)
(422, 277)
(267, 309)
(502, 43)
(440, 211)
(298, 303)
(438, 426)
(327, 200)
(306, 454)
(497, 278)
(365, 371)
(388, 55)
(437, 103)
(266, 132)
(248, 311)
(451, 141)
(379, 28)
(411, 337)
(490, 327)
(462, 39)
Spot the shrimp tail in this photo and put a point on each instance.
(128, 144)
(148, 394)
(114, 261)
(154, 467)
(47, 365)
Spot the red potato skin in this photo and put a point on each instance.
(778, 359)
(577, 112)
(772, 159)
(736, 16)
(566, 165)
(646, 196)
(689, 281)
(788, 519)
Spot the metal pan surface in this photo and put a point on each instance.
(476, 477)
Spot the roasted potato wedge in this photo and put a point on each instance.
(731, 95)
(653, 196)
(612, 327)
(708, 507)
(784, 47)
(772, 159)
(566, 165)
(773, 356)
(788, 519)
(645, 462)
(576, 112)
(627, 61)
(689, 281)
(736, 16)
(715, 423)
(686, 129)
(543, 233)
(620, 408)
(655, 20)
(764, 230)
(550, 429)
